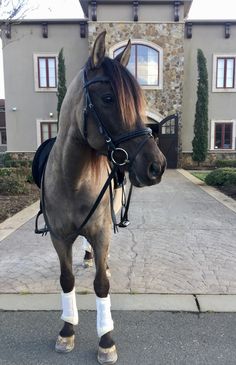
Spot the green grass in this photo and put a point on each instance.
(200, 175)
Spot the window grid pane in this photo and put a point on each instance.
(147, 65)
(223, 135)
(47, 72)
(225, 72)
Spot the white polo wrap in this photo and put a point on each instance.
(69, 308)
(86, 245)
(104, 320)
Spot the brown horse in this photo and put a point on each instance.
(101, 120)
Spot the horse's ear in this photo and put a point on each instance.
(98, 51)
(124, 56)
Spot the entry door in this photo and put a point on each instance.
(168, 139)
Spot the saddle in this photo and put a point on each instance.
(38, 167)
(40, 160)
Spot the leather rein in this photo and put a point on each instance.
(116, 162)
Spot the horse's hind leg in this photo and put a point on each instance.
(65, 340)
(107, 350)
(88, 256)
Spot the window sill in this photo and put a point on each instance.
(224, 90)
(151, 87)
(46, 90)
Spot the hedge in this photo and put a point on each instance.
(224, 176)
(225, 163)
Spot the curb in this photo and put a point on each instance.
(222, 198)
(11, 224)
(198, 303)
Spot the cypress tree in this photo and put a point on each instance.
(200, 140)
(61, 88)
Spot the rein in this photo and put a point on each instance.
(112, 149)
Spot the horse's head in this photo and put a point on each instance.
(115, 116)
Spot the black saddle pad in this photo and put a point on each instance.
(40, 160)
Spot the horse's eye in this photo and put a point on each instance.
(108, 99)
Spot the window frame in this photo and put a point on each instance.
(213, 135)
(147, 44)
(225, 57)
(46, 56)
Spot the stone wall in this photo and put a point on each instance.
(212, 157)
(168, 36)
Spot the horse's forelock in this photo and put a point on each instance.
(127, 90)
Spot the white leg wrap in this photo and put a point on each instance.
(104, 320)
(70, 312)
(86, 245)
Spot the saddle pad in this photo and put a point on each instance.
(40, 160)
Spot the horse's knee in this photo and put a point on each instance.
(67, 281)
(101, 286)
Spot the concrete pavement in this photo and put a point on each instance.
(142, 338)
(181, 241)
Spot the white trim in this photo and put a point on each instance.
(36, 76)
(212, 135)
(214, 67)
(155, 116)
(38, 128)
(148, 44)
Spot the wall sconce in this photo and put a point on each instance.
(14, 108)
(51, 115)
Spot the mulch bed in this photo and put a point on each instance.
(12, 204)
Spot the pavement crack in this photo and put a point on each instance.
(135, 254)
(197, 303)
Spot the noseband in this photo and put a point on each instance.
(113, 149)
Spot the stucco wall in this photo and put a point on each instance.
(19, 77)
(209, 38)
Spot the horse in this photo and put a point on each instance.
(101, 124)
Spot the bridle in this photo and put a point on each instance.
(112, 143)
(113, 150)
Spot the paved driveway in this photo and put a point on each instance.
(181, 240)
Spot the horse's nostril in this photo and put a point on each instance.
(154, 170)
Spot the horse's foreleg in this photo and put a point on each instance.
(65, 340)
(107, 350)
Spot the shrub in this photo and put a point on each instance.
(226, 163)
(13, 180)
(11, 185)
(222, 177)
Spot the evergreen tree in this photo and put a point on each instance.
(61, 88)
(200, 140)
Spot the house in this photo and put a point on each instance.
(163, 58)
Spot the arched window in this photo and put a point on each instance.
(145, 62)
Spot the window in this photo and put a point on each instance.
(48, 130)
(223, 135)
(3, 137)
(45, 72)
(224, 73)
(145, 62)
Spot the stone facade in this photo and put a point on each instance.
(169, 37)
(212, 157)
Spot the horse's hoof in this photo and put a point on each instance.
(88, 263)
(107, 356)
(65, 344)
